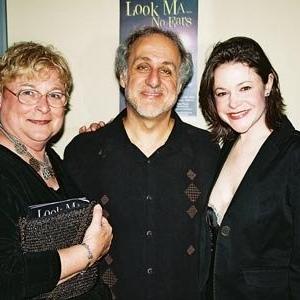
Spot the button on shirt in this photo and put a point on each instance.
(153, 204)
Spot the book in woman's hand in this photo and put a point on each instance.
(57, 225)
(47, 209)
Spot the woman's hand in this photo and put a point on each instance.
(98, 235)
(97, 240)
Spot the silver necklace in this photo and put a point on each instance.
(43, 166)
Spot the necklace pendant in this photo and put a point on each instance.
(47, 172)
(35, 164)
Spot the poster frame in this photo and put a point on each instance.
(3, 26)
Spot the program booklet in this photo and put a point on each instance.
(48, 209)
(58, 225)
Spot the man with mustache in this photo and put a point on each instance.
(151, 172)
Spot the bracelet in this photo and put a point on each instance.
(90, 257)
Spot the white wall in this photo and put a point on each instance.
(86, 32)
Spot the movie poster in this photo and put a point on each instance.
(179, 16)
(3, 31)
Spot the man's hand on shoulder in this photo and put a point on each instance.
(92, 127)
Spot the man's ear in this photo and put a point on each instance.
(123, 79)
(179, 88)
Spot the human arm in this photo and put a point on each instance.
(97, 239)
(24, 275)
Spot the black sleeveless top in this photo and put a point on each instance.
(213, 225)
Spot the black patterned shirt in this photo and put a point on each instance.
(154, 205)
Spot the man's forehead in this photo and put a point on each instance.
(155, 47)
(153, 59)
(157, 37)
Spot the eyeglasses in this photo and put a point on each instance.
(32, 97)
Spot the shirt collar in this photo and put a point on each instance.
(285, 130)
(178, 139)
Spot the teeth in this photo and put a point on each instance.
(238, 113)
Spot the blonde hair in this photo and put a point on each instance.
(31, 60)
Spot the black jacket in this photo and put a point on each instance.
(258, 245)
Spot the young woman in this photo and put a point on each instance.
(254, 206)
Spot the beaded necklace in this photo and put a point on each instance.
(43, 166)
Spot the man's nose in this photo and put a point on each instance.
(153, 78)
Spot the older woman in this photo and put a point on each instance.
(254, 205)
(35, 85)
